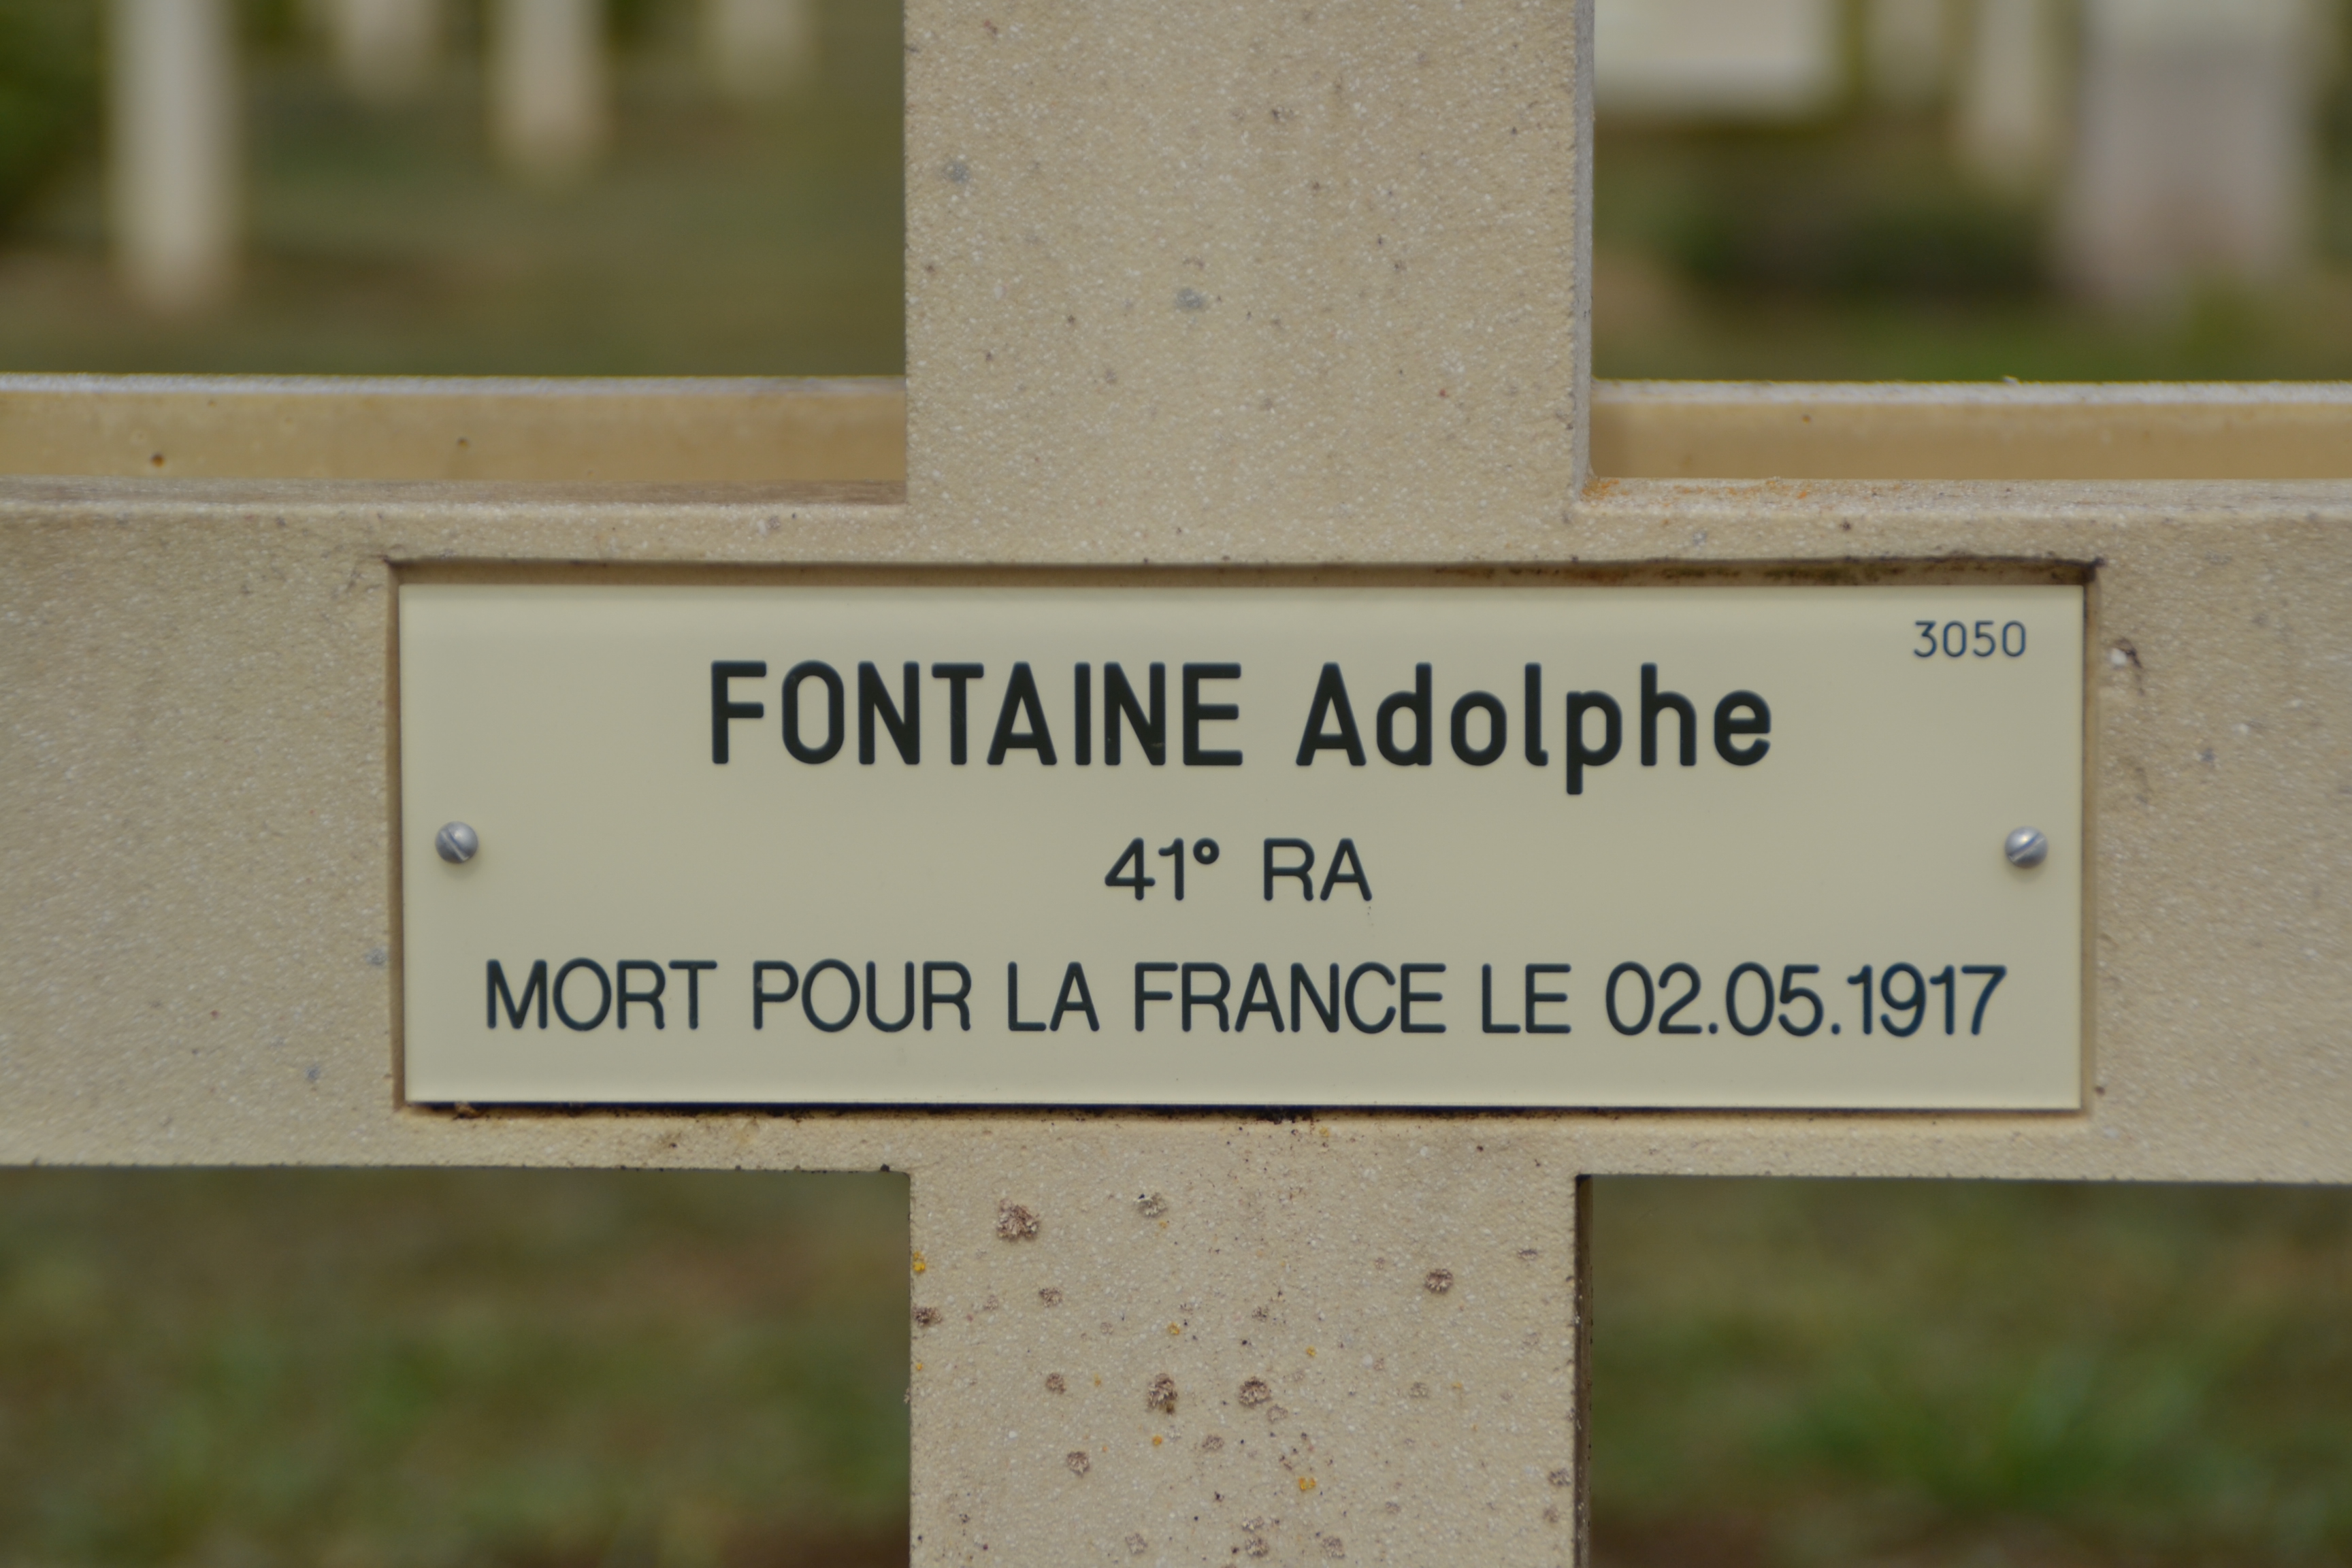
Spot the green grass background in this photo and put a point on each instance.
(1815, 1373)
(722, 241)
(1853, 250)
(549, 1369)
(713, 241)
(332, 1369)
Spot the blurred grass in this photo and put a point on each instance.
(1853, 250)
(1853, 247)
(48, 93)
(562, 1369)
(1810, 1372)
(717, 241)
(418, 1369)
(714, 241)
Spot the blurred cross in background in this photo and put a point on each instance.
(2078, 189)
(176, 191)
(548, 88)
(2169, 142)
(385, 49)
(2009, 108)
(757, 49)
(2193, 149)
(174, 136)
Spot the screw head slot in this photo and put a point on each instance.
(2026, 847)
(456, 843)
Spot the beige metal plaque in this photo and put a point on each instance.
(1712, 847)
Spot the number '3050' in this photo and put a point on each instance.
(1969, 639)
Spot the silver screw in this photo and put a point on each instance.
(457, 843)
(2026, 847)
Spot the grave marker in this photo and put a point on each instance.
(174, 192)
(551, 115)
(1732, 847)
(386, 49)
(1907, 46)
(2194, 158)
(1718, 59)
(1200, 298)
(2011, 114)
(757, 50)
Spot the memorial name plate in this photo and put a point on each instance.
(1768, 848)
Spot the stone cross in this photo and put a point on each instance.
(1204, 286)
(550, 87)
(173, 148)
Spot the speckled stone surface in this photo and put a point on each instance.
(1176, 266)
(1289, 1340)
(195, 689)
(196, 685)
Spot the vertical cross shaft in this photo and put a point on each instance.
(1174, 270)
(1208, 1341)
